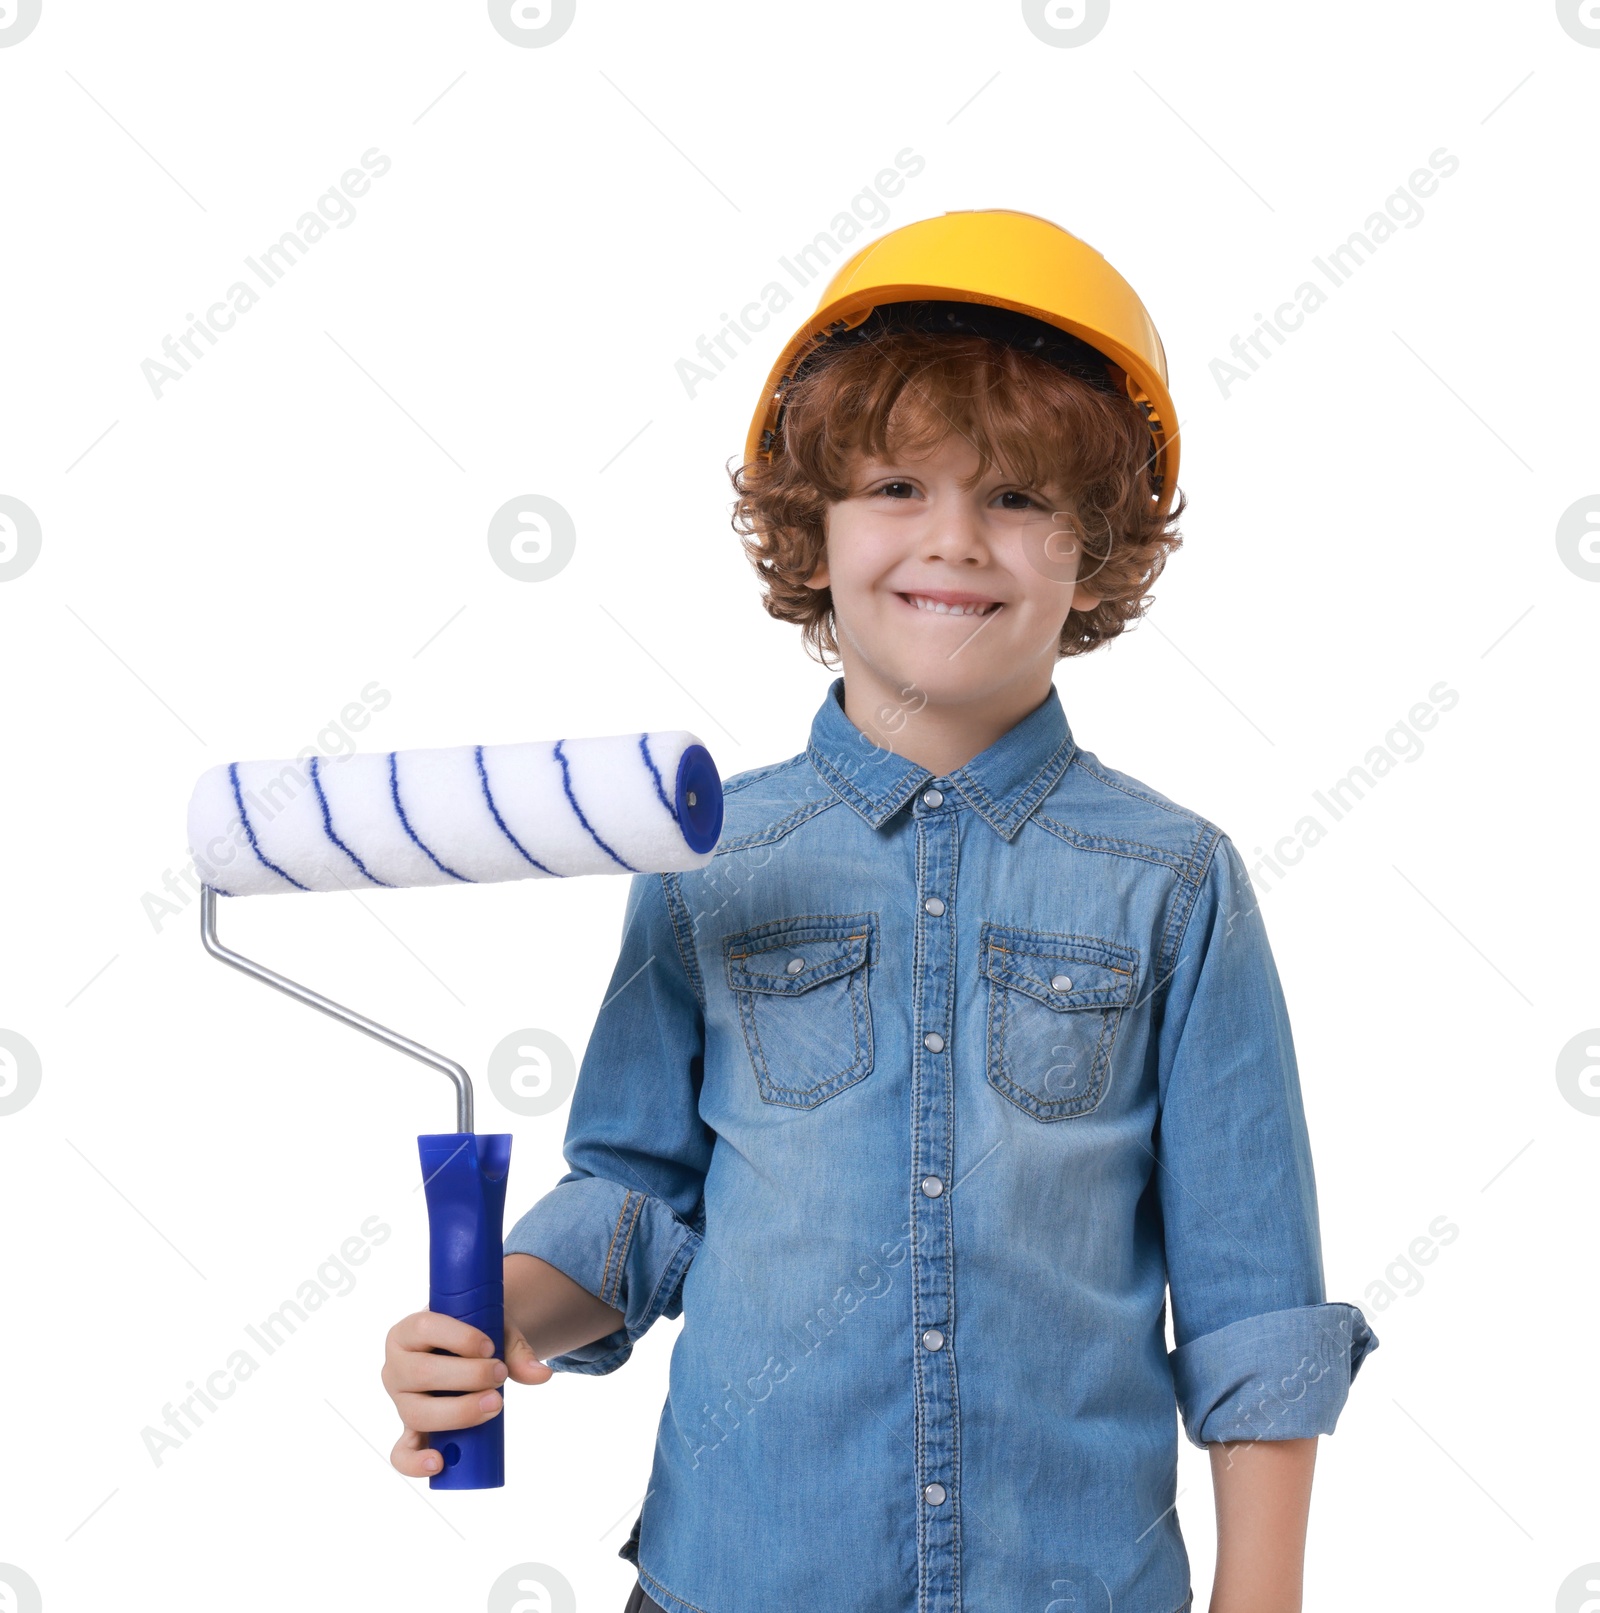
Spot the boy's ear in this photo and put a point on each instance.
(1082, 599)
(819, 577)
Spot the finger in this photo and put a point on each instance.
(411, 1457)
(432, 1330)
(412, 1372)
(522, 1364)
(436, 1414)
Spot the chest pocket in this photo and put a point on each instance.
(1055, 1003)
(801, 989)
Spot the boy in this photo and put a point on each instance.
(963, 1051)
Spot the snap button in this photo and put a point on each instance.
(795, 965)
(933, 798)
(934, 1042)
(933, 1339)
(932, 1186)
(933, 905)
(933, 1494)
(1061, 982)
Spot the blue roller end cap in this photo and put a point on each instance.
(699, 799)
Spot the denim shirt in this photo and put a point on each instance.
(915, 1103)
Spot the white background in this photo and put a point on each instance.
(225, 568)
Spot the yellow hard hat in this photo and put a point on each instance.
(1000, 264)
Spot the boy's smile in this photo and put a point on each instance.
(948, 599)
(951, 603)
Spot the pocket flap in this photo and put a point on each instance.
(791, 956)
(1060, 971)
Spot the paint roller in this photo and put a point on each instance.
(470, 814)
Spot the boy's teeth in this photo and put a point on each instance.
(946, 610)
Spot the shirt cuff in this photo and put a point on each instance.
(1282, 1375)
(626, 1247)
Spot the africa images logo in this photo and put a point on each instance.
(532, 23)
(335, 209)
(18, 19)
(1581, 19)
(1065, 24)
(20, 536)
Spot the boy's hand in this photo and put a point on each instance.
(411, 1369)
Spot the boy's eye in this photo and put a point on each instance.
(900, 490)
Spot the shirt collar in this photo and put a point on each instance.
(1003, 784)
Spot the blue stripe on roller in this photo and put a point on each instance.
(400, 812)
(566, 784)
(661, 794)
(488, 796)
(244, 818)
(327, 825)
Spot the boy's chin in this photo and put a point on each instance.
(952, 680)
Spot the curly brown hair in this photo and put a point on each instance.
(905, 393)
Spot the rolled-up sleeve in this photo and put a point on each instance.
(626, 1220)
(1260, 1353)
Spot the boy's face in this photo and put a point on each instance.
(1001, 558)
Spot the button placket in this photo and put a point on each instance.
(932, 1275)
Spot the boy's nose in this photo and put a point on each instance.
(954, 532)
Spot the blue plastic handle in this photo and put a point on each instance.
(464, 1177)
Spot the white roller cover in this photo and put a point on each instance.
(469, 814)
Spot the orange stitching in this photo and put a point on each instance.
(605, 1275)
(638, 1209)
